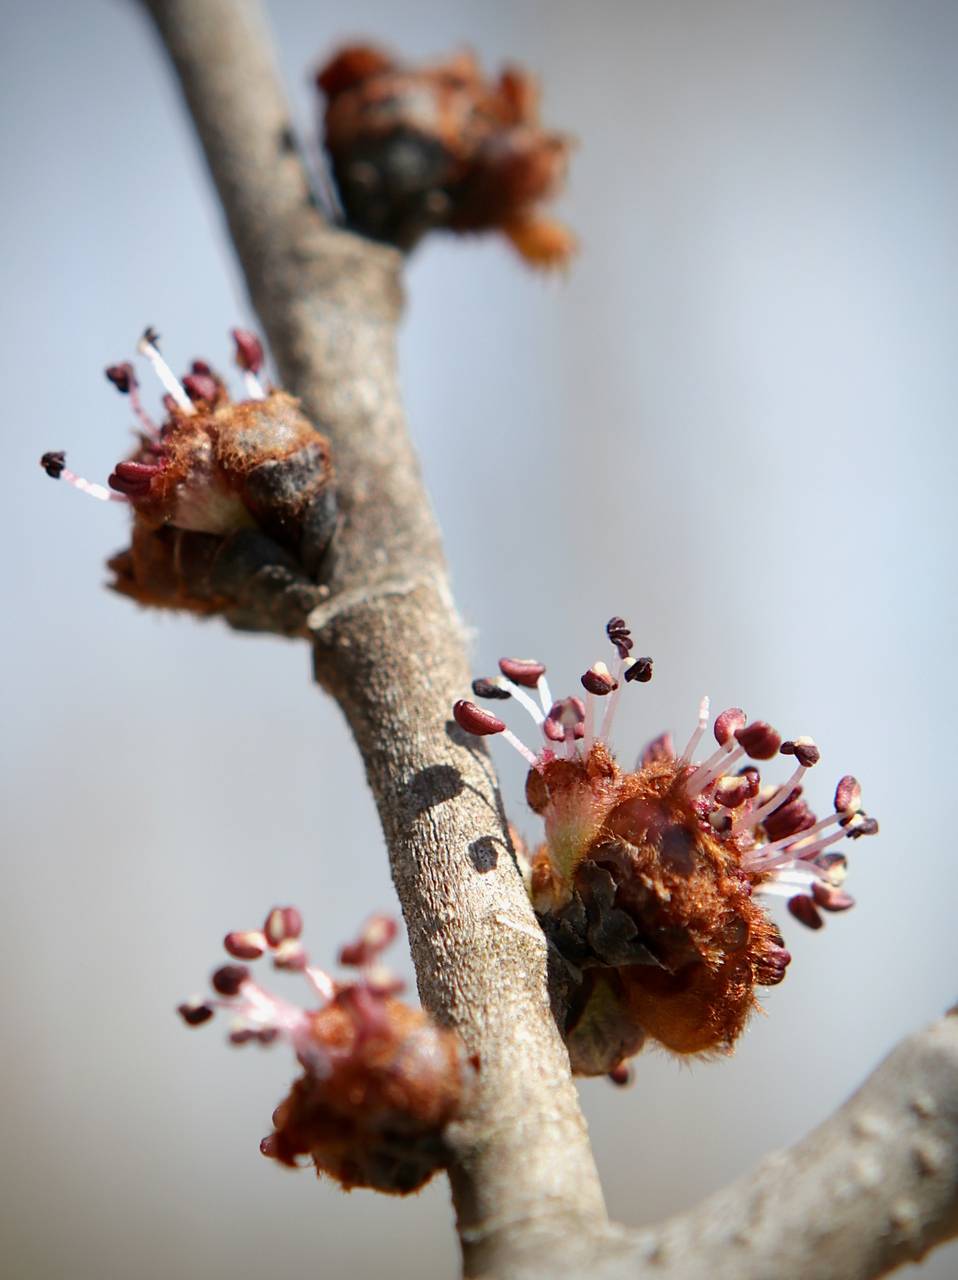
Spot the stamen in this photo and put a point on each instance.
(749, 820)
(698, 732)
(148, 348)
(477, 721)
(54, 464)
(123, 377)
(520, 695)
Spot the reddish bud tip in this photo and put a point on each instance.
(200, 386)
(805, 911)
(228, 979)
(524, 671)
(638, 669)
(759, 739)
(249, 350)
(122, 376)
(848, 795)
(195, 1012)
(728, 723)
(53, 463)
(488, 688)
(803, 749)
(598, 680)
(475, 720)
(248, 944)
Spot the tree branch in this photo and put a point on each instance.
(389, 645)
(875, 1185)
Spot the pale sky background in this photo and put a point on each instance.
(733, 422)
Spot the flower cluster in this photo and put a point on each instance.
(414, 148)
(233, 503)
(380, 1080)
(648, 881)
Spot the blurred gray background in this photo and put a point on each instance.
(733, 422)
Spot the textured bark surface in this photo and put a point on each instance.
(872, 1187)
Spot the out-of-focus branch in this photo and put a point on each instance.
(874, 1186)
(389, 645)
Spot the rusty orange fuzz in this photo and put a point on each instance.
(648, 883)
(232, 500)
(417, 148)
(381, 1081)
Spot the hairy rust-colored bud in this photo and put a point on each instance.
(233, 502)
(649, 882)
(440, 146)
(380, 1082)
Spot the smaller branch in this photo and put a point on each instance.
(872, 1188)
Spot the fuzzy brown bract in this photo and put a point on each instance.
(441, 146)
(377, 1117)
(656, 903)
(238, 518)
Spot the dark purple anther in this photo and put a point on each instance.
(524, 671)
(639, 670)
(848, 795)
(248, 944)
(727, 723)
(620, 635)
(804, 751)
(133, 478)
(659, 749)
(201, 386)
(194, 1015)
(228, 979)
(831, 899)
(804, 910)
(860, 826)
(475, 720)
(282, 924)
(485, 688)
(598, 680)
(759, 740)
(122, 376)
(53, 463)
(249, 350)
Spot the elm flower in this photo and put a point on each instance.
(441, 146)
(232, 501)
(649, 882)
(380, 1080)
